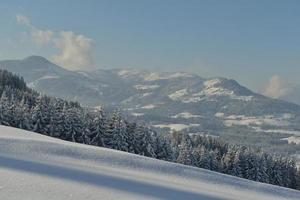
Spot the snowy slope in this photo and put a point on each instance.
(34, 166)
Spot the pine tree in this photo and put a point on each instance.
(262, 175)
(238, 162)
(163, 149)
(22, 115)
(213, 161)
(185, 152)
(228, 161)
(7, 107)
(115, 136)
(57, 120)
(204, 159)
(96, 129)
(252, 167)
(38, 116)
(131, 131)
(143, 142)
(73, 125)
(297, 180)
(276, 173)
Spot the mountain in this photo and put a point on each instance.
(34, 166)
(293, 95)
(174, 101)
(48, 78)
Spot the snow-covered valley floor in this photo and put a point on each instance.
(37, 167)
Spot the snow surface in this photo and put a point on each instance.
(37, 167)
(160, 76)
(146, 87)
(34, 83)
(152, 76)
(212, 88)
(178, 94)
(212, 82)
(282, 131)
(137, 114)
(176, 127)
(292, 139)
(179, 75)
(219, 114)
(149, 106)
(146, 94)
(254, 122)
(126, 73)
(243, 120)
(186, 115)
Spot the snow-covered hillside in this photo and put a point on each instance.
(34, 166)
(157, 96)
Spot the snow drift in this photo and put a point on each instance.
(34, 166)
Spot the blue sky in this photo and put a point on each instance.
(250, 41)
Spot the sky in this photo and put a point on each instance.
(255, 42)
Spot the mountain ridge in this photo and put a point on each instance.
(39, 61)
(172, 101)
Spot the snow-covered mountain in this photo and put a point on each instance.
(46, 77)
(293, 95)
(176, 101)
(33, 166)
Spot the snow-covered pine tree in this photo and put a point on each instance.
(131, 130)
(143, 141)
(292, 173)
(276, 173)
(163, 149)
(228, 161)
(115, 136)
(7, 117)
(38, 116)
(204, 161)
(96, 130)
(262, 168)
(74, 126)
(57, 120)
(3, 109)
(237, 169)
(22, 115)
(214, 164)
(252, 166)
(185, 151)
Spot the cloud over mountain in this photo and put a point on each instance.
(74, 51)
(38, 36)
(276, 87)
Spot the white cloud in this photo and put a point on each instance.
(41, 36)
(276, 87)
(23, 20)
(74, 51)
(38, 36)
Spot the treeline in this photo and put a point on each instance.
(240, 161)
(26, 109)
